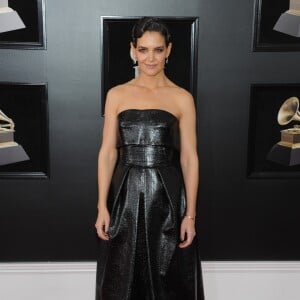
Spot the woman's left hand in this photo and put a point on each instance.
(187, 232)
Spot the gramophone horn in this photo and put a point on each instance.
(289, 111)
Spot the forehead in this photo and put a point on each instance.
(151, 38)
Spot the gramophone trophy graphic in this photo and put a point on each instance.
(289, 21)
(9, 18)
(287, 151)
(10, 151)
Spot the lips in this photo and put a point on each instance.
(151, 66)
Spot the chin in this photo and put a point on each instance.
(151, 72)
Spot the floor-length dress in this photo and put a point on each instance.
(147, 201)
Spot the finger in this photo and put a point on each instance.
(102, 235)
(184, 244)
(182, 233)
(104, 230)
(188, 241)
(106, 226)
(100, 231)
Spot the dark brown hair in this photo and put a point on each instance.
(149, 24)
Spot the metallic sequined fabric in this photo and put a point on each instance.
(146, 201)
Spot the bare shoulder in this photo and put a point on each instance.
(179, 92)
(183, 93)
(184, 100)
(117, 90)
(114, 97)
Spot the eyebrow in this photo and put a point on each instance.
(143, 47)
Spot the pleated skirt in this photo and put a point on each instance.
(142, 260)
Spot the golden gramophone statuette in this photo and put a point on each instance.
(287, 151)
(10, 151)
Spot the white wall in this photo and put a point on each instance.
(222, 281)
(252, 280)
(47, 281)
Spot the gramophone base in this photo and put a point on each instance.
(12, 154)
(288, 23)
(284, 155)
(10, 20)
(6, 136)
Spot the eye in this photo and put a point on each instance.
(159, 50)
(142, 50)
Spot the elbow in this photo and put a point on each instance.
(189, 161)
(108, 155)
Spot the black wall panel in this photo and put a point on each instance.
(238, 218)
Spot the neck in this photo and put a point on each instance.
(152, 82)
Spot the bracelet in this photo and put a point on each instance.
(192, 218)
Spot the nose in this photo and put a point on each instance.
(151, 56)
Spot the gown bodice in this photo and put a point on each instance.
(152, 127)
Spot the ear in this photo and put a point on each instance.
(169, 48)
(132, 51)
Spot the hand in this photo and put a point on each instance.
(102, 224)
(187, 232)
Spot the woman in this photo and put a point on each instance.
(148, 181)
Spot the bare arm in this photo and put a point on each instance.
(190, 165)
(106, 163)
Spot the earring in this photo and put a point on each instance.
(167, 60)
(135, 65)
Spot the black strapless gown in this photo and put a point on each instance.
(147, 201)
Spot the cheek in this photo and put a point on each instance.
(141, 56)
(161, 57)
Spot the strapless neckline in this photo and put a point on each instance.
(147, 109)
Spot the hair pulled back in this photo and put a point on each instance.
(149, 24)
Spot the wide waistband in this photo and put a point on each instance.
(146, 155)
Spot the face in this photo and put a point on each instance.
(151, 52)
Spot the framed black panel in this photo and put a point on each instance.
(33, 36)
(117, 66)
(276, 25)
(265, 132)
(26, 105)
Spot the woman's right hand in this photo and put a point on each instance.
(102, 224)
